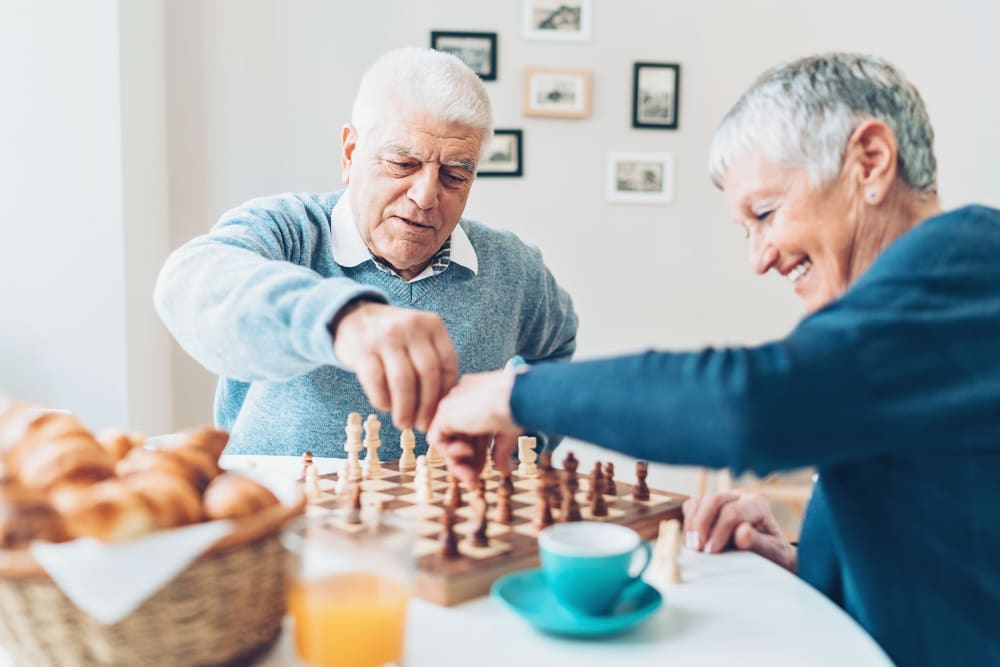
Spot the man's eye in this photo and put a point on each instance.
(764, 215)
(401, 165)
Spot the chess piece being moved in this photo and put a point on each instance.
(307, 461)
(609, 479)
(422, 481)
(526, 455)
(434, 457)
(407, 442)
(641, 491)
(478, 537)
(488, 470)
(449, 540)
(353, 446)
(372, 465)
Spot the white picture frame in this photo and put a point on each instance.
(557, 20)
(640, 178)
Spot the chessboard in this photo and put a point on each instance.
(450, 580)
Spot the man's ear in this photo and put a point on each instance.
(872, 151)
(348, 142)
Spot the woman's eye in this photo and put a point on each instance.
(764, 215)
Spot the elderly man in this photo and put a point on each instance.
(306, 304)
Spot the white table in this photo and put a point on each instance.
(732, 609)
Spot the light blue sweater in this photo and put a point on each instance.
(251, 300)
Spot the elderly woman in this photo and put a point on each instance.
(890, 386)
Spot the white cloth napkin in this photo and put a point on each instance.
(109, 581)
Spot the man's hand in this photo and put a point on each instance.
(403, 358)
(473, 414)
(743, 520)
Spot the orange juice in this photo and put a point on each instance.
(349, 620)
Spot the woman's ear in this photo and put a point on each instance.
(871, 158)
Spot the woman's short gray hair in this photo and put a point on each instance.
(423, 81)
(804, 112)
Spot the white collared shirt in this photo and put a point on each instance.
(349, 248)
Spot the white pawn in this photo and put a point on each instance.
(488, 470)
(311, 485)
(372, 465)
(422, 480)
(527, 455)
(665, 554)
(342, 478)
(434, 457)
(407, 441)
(353, 447)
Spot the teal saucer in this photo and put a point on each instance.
(527, 595)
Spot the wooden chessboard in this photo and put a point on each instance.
(449, 581)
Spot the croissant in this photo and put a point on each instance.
(172, 500)
(72, 458)
(110, 512)
(231, 496)
(197, 467)
(209, 440)
(117, 443)
(26, 515)
(40, 428)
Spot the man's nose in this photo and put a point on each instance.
(763, 255)
(424, 187)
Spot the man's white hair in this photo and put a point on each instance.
(804, 112)
(423, 81)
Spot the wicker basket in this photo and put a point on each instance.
(224, 609)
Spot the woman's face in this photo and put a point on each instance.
(806, 234)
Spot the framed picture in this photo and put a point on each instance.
(503, 157)
(655, 90)
(557, 92)
(478, 50)
(558, 20)
(640, 178)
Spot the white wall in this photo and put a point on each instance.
(76, 330)
(257, 92)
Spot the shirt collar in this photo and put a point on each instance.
(349, 248)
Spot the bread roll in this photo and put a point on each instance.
(231, 496)
(110, 512)
(26, 515)
(172, 500)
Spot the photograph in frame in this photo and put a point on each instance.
(640, 178)
(557, 20)
(563, 93)
(478, 50)
(504, 155)
(655, 95)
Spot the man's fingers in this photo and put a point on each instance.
(425, 362)
(402, 383)
(371, 375)
(447, 359)
(729, 518)
(504, 445)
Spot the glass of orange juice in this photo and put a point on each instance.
(350, 587)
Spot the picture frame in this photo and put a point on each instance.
(478, 50)
(505, 156)
(557, 20)
(655, 95)
(562, 93)
(640, 178)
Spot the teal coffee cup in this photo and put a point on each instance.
(588, 564)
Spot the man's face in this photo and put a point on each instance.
(409, 178)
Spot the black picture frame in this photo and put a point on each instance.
(656, 95)
(478, 50)
(509, 158)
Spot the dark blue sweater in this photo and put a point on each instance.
(891, 391)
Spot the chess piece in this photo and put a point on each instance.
(641, 491)
(372, 465)
(422, 481)
(353, 446)
(570, 465)
(503, 512)
(526, 455)
(478, 538)
(434, 457)
(343, 478)
(570, 510)
(453, 496)
(407, 442)
(508, 482)
(449, 541)
(354, 511)
(555, 486)
(596, 477)
(609, 479)
(307, 461)
(311, 484)
(543, 517)
(545, 460)
(666, 551)
(598, 507)
(488, 470)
